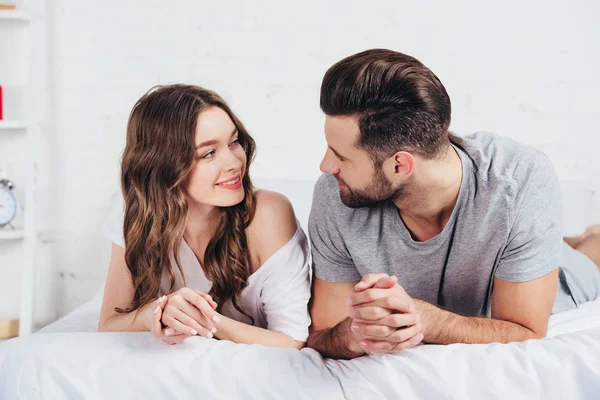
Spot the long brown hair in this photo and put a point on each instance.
(158, 157)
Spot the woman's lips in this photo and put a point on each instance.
(231, 184)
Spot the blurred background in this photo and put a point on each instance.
(71, 71)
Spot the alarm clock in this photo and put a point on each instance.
(8, 203)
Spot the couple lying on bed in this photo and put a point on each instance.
(416, 235)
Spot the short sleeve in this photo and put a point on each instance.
(331, 260)
(534, 244)
(113, 225)
(285, 291)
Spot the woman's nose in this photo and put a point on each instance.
(232, 161)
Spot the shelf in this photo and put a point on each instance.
(9, 329)
(10, 234)
(14, 15)
(5, 125)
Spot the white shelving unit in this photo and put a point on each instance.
(27, 24)
(14, 15)
(12, 125)
(16, 234)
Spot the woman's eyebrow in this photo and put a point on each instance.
(215, 141)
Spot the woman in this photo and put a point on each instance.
(198, 251)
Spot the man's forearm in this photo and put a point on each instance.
(335, 342)
(445, 327)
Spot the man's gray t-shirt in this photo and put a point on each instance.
(507, 223)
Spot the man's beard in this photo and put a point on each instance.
(379, 191)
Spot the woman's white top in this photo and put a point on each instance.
(277, 294)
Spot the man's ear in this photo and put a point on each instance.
(404, 163)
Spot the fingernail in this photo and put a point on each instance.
(351, 312)
(411, 308)
(162, 297)
(214, 330)
(169, 332)
(156, 310)
(348, 301)
(421, 337)
(216, 319)
(360, 284)
(209, 335)
(363, 344)
(419, 326)
(193, 332)
(355, 328)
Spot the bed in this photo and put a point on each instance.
(70, 360)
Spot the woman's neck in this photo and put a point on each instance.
(201, 222)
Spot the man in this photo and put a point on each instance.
(419, 235)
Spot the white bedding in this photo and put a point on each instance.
(68, 359)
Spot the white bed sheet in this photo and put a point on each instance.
(68, 359)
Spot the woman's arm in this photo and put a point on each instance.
(118, 292)
(273, 226)
(239, 332)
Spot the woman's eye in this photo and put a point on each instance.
(235, 142)
(209, 154)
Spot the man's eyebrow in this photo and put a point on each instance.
(214, 141)
(338, 154)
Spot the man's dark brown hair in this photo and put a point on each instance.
(399, 103)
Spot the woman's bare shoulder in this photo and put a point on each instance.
(274, 224)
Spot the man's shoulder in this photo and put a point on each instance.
(498, 158)
(326, 185)
(327, 206)
(327, 193)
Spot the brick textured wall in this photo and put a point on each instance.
(527, 70)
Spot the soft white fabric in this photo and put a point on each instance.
(70, 360)
(75, 365)
(277, 294)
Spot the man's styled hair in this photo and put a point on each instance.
(399, 103)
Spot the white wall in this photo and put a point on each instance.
(527, 70)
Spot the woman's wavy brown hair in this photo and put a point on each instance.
(158, 157)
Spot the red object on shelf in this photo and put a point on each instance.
(0, 102)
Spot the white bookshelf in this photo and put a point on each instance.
(10, 234)
(26, 28)
(12, 125)
(14, 15)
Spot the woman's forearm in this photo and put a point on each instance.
(238, 332)
(126, 322)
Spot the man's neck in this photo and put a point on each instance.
(428, 204)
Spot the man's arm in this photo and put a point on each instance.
(385, 325)
(330, 332)
(520, 311)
